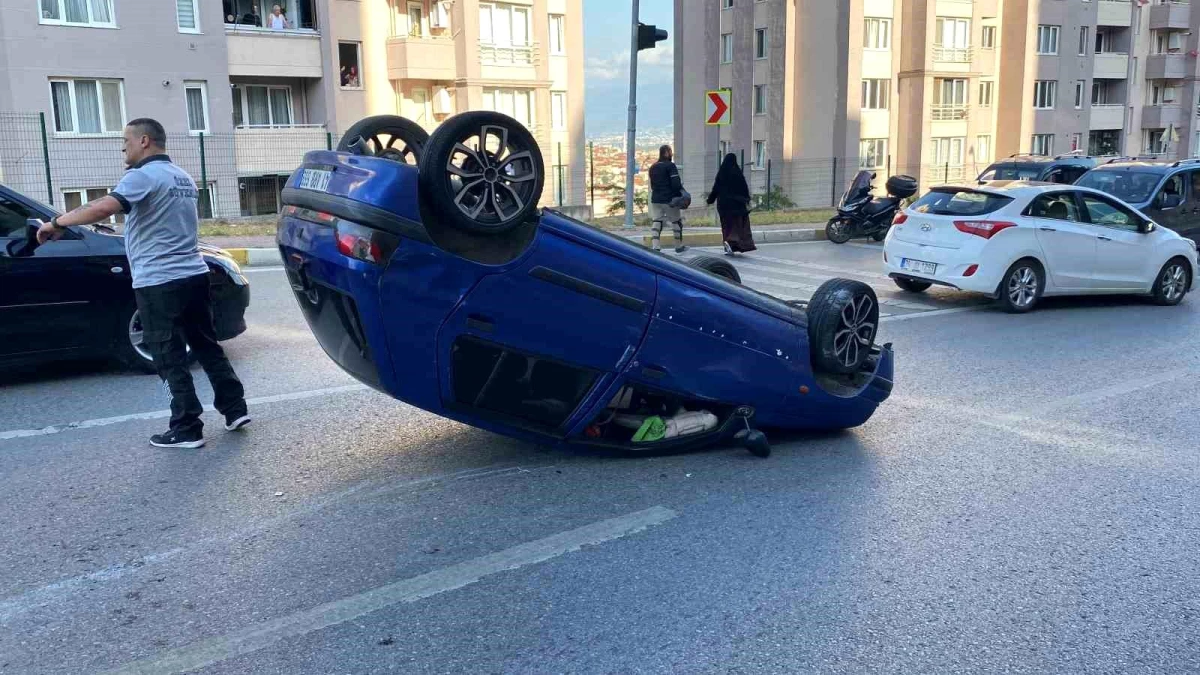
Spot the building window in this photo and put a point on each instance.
(1079, 85)
(77, 12)
(877, 34)
(948, 151)
(558, 110)
(349, 59)
(872, 153)
(558, 34)
(1168, 41)
(1076, 141)
(1103, 93)
(1083, 40)
(760, 154)
(1044, 92)
(760, 43)
(1103, 143)
(953, 33)
(1163, 92)
(875, 94)
(1155, 141)
(504, 30)
(1047, 40)
(516, 103)
(726, 4)
(415, 19)
(727, 48)
(257, 106)
(73, 198)
(1042, 144)
(983, 148)
(760, 99)
(988, 39)
(186, 16)
(88, 106)
(986, 90)
(949, 99)
(196, 96)
(1104, 41)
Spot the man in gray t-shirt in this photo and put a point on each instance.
(170, 280)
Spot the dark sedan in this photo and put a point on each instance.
(74, 297)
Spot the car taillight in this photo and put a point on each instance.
(982, 228)
(971, 270)
(900, 218)
(364, 243)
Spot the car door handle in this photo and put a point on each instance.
(1048, 229)
(1103, 238)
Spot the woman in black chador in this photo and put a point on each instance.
(732, 195)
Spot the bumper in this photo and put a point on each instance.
(229, 303)
(952, 265)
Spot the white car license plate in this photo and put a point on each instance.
(918, 266)
(316, 179)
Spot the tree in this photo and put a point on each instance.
(616, 196)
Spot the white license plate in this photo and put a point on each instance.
(918, 266)
(315, 179)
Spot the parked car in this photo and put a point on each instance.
(74, 297)
(442, 284)
(1060, 169)
(1019, 241)
(1167, 192)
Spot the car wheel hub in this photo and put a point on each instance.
(1174, 282)
(137, 337)
(855, 332)
(493, 181)
(1022, 287)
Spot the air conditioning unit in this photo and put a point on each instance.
(439, 15)
(443, 104)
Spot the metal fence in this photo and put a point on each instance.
(240, 173)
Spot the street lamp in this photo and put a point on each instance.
(643, 37)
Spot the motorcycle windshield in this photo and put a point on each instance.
(859, 187)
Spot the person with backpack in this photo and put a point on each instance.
(732, 195)
(667, 199)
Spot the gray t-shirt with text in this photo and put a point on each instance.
(162, 226)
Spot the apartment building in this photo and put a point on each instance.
(245, 95)
(934, 88)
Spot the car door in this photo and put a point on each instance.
(1068, 246)
(1123, 251)
(45, 297)
(1167, 205)
(1188, 220)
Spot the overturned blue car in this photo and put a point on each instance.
(426, 269)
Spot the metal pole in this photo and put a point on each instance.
(329, 140)
(592, 170)
(46, 159)
(560, 175)
(743, 160)
(768, 185)
(946, 173)
(833, 184)
(203, 175)
(632, 134)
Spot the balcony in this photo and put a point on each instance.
(263, 151)
(952, 112)
(1114, 13)
(262, 52)
(952, 54)
(1110, 66)
(1166, 67)
(1163, 116)
(1172, 14)
(1107, 116)
(508, 55)
(421, 58)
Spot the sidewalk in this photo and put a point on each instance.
(262, 251)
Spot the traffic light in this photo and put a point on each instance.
(648, 36)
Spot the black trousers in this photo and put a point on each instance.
(176, 315)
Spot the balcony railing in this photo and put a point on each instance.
(953, 54)
(508, 55)
(949, 112)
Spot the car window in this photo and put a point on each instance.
(1106, 214)
(12, 218)
(1195, 178)
(959, 202)
(1013, 172)
(1134, 187)
(1173, 187)
(1057, 206)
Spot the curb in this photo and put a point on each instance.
(269, 257)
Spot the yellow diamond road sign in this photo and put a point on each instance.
(718, 107)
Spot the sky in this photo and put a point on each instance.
(606, 49)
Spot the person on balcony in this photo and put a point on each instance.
(277, 20)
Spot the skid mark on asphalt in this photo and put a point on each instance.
(14, 606)
(163, 414)
(254, 638)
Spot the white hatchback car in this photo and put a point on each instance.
(1017, 241)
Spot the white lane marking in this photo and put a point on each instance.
(15, 606)
(160, 414)
(807, 288)
(936, 312)
(869, 247)
(251, 270)
(253, 638)
(818, 266)
(895, 302)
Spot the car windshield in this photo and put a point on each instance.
(958, 202)
(1012, 172)
(1134, 187)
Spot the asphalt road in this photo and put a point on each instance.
(1025, 502)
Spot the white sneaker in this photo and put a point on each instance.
(234, 425)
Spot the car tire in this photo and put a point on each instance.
(487, 191)
(843, 318)
(880, 236)
(129, 350)
(717, 266)
(838, 230)
(1022, 286)
(912, 285)
(405, 139)
(1172, 282)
